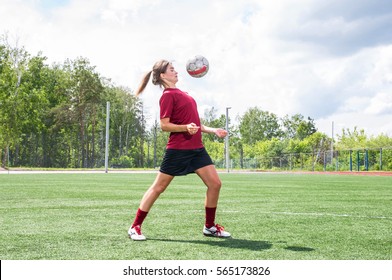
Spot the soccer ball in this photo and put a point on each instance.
(198, 66)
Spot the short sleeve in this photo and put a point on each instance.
(166, 104)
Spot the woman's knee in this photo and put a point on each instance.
(158, 188)
(215, 184)
(161, 183)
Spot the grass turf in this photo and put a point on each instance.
(271, 216)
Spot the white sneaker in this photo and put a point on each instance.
(135, 233)
(216, 231)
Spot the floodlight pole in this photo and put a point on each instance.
(107, 136)
(227, 141)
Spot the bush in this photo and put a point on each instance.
(123, 161)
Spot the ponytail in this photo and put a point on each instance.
(159, 68)
(143, 84)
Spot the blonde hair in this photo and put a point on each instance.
(158, 68)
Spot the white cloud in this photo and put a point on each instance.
(328, 60)
(380, 104)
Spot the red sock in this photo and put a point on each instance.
(140, 216)
(210, 216)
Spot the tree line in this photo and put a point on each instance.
(54, 116)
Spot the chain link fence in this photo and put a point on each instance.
(338, 160)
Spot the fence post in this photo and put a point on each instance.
(351, 160)
(366, 159)
(358, 162)
(313, 161)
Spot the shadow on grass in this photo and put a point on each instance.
(299, 249)
(252, 245)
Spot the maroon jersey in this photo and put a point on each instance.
(181, 108)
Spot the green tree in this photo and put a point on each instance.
(156, 143)
(211, 119)
(296, 127)
(355, 139)
(32, 147)
(14, 100)
(127, 125)
(6, 75)
(85, 95)
(257, 125)
(380, 141)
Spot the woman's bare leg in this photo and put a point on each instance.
(211, 179)
(160, 184)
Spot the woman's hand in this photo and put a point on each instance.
(192, 128)
(221, 133)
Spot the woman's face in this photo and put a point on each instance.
(170, 75)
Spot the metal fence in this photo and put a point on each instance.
(346, 160)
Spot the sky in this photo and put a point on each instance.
(330, 60)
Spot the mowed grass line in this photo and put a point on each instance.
(271, 216)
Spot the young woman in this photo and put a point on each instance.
(185, 152)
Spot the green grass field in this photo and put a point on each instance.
(271, 217)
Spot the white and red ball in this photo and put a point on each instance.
(198, 66)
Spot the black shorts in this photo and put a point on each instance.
(183, 162)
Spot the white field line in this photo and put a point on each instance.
(311, 214)
(328, 214)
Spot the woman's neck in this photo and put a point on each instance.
(170, 86)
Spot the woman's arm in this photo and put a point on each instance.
(166, 125)
(221, 133)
